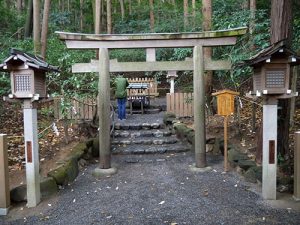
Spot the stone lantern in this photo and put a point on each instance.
(272, 68)
(27, 74)
(271, 81)
(28, 84)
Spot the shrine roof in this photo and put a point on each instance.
(18, 57)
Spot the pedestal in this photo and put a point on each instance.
(269, 149)
(31, 154)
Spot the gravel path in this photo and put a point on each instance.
(157, 189)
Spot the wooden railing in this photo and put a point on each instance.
(152, 90)
(180, 103)
(77, 109)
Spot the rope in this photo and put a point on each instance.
(14, 137)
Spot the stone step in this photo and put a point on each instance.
(141, 133)
(150, 149)
(123, 125)
(144, 141)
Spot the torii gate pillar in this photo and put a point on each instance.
(104, 116)
(199, 108)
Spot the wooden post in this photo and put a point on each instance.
(4, 181)
(269, 149)
(225, 144)
(150, 54)
(31, 154)
(104, 109)
(297, 167)
(199, 108)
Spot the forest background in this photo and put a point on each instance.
(132, 16)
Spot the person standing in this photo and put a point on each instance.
(121, 84)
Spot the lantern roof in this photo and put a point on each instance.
(278, 50)
(225, 91)
(18, 57)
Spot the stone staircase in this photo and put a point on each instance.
(135, 136)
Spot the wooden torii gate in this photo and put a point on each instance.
(150, 42)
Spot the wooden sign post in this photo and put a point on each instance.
(225, 105)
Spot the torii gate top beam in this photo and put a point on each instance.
(152, 40)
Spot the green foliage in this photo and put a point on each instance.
(227, 14)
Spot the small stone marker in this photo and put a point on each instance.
(4, 181)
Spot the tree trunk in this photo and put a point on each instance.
(129, 7)
(45, 28)
(19, 6)
(252, 16)
(68, 5)
(8, 4)
(98, 15)
(81, 16)
(122, 9)
(36, 26)
(185, 13)
(19, 10)
(109, 21)
(151, 15)
(281, 24)
(194, 10)
(29, 20)
(206, 26)
(281, 21)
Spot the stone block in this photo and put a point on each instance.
(124, 134)
(155, 125)
(158, 142)
(18, 194)
(48, 187)
(235, 156)
(158, 134)
(253, 174)
(72, 170)
(95, 148)
(59, 175)
(146, 126)
(246, 164)
(168, 118)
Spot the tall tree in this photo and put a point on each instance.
(281, 21)
(45, 28)
(19, 6)
(81, 16)
(36, 26)
(185, 13)
(151, 7)
(29, 19)
(109, 20)
(122, 9)
(129, 7)
(252, 7)
(207, 52)
(98, 15)
(194, 11)
(281, 24)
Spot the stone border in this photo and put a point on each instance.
(65, 173)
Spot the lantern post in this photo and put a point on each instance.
(271, 79)
(28, 85)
